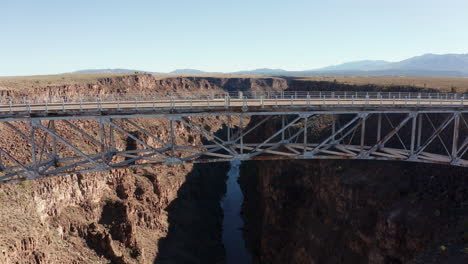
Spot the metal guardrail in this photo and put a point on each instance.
(50, 120)
(237, 94)
(227, 99)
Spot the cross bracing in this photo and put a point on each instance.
(58, 140)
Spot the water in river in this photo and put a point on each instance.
(236, 252)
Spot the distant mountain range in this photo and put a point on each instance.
(447, 65)
(187, 71)
(91, 71)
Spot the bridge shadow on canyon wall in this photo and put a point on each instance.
(195, 217)
(356, 211)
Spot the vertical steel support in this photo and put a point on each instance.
(456, 132)
(282, 126)
(363, 132)
(333, 128)
(32, 129)
(172, 137)
(226, 101)
(420, 120)
(241, 130)
(413, 133)
(379, 126)
(102, 136)
(54, 140)
(305, 133)
(111, 137)
(229, 128)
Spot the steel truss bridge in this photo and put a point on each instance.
(429, 128)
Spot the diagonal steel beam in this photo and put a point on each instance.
(253, 128)
(28, 139)
(302, 129)
(257, 150)
(100, 165)
(82, 132)
(278, 133)
(146, 132)
(138, 140)
(438, 135)
(317, 149)
(351, 130)
(387, 137)
(210, 134)
(212, 139)
(435, 134)
(397, 134)
(31, 173)
(463, 145)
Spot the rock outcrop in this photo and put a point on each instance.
(295, 211)
(163, 213)
(353, 211)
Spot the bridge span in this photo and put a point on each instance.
(418, 127)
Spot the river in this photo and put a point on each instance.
(233, 239)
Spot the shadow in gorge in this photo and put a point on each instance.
(355, 211)
(195, 218)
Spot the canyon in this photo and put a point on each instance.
(294, 211)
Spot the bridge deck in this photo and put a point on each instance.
(429, 128)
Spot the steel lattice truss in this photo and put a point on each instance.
(61, 145)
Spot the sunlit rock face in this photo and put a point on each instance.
(163, 213)
(351, 211)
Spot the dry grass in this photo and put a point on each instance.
(220, 75)
(38, 81)
(440, 83)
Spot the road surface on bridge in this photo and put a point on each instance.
(427, 128)
(227, 103)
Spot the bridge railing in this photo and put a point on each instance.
(249, 98)
(347, 95)
(233, 95)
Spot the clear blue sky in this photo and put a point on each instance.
(43, 37)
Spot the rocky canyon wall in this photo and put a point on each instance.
(295, 211)
(351, 211)
(162, 214)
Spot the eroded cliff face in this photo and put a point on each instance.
(144, 84)
(119, 216)
(353, 211)
(296, 211)
(167, 214)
